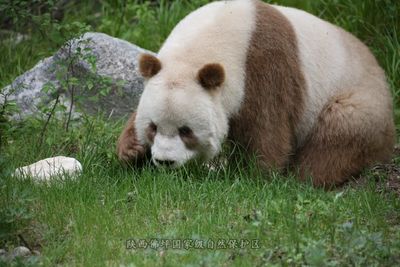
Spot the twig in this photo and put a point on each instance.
(70, 88)
(48, 119)
(2, 115)
(70, 108)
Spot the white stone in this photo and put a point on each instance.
(44, 169)
(21, 252)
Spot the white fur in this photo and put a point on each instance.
(170, 148)
(215, 33)
(219, 32)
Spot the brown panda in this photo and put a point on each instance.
(284, 84)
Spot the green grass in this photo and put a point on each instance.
(86, 222)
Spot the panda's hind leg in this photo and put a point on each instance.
(353, 131)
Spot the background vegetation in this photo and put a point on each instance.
(87, 221)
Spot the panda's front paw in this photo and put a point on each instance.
(130, 151)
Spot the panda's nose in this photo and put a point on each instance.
(166, 163)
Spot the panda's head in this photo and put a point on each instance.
(180, 115)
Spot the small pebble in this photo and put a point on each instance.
(130, 196)
(21, 252)
(3, 252)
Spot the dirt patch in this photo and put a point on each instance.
(392, 182)
(386, 176)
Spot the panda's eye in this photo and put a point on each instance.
(185, 131)
(151, 131)
(153, 127)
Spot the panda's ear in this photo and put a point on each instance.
(211, 76)
(149, 65)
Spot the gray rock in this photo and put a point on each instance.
(116, 70)
(3, 252)
(20, 251)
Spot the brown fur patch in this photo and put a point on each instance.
(149, 65)
(211, 76)
(275, 89)
(340, 147)
(129, 150)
